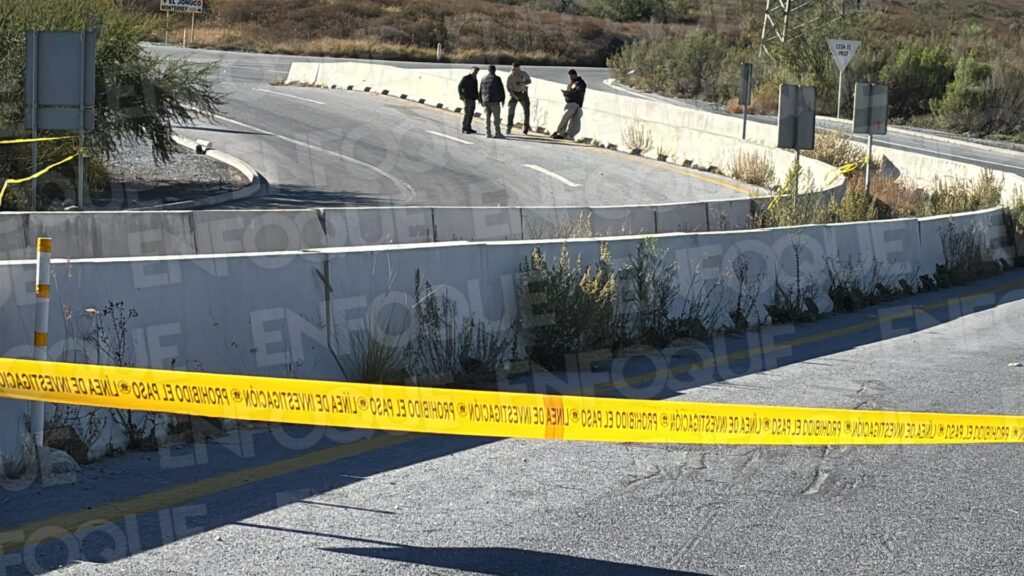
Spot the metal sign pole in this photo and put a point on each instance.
(796, 180)
(167, 27)
(81, 125)
(193, 29)
(34, 83)
(839, 105)
(744, 121)
(867, 170)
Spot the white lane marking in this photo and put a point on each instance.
(401, 184)
(288, 95)
(452, 138)
(547, 172)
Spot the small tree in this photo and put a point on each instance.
(139, 96)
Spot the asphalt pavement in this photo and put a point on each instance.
(336, 148)
(300, 500)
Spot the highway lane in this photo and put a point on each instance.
(444, 505)
(998, 157)
(328, 148)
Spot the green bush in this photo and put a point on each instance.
(567, 308)
(965, 104)
(917, 74)
(690, 65)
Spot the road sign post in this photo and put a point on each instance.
(842, 52)
(191, 7)
(746, 87)
(60, 90)
(796, 122)
(871, 117)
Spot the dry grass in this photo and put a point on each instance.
(469, 30)
(836, 149)
(895, 197)
(753, 168)
(637, 138)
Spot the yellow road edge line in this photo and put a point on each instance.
(74, 522)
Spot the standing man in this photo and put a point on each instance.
(517, 82)
(492, 96)
(569, 127)
(469, 93)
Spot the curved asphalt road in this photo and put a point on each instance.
(328, 148)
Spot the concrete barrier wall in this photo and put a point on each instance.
(294, 313)
(160, 233)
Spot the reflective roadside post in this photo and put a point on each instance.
(796, 123)
(871, 117)
(746, 86)
(41, 336)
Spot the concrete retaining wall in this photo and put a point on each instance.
(293, 313)
(160, 233)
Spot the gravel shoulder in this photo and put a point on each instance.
(139, 180)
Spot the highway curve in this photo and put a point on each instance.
(337, 148)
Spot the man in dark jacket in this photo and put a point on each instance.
(569, 127)
(492, 96)
(469, 94)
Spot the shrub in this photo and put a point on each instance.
(637, 138)
(649, 287)
(962, 256)
(567, 308)
(795, 303)
(753, 168)
(968, 97)
(850, 290)
(638, 10)
(960, 195)
(688, 65)
(893, 197)
(448, 350)
(375, 357)
(836, 149)
(917, 74)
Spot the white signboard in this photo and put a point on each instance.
(843, 51)
(190, 6)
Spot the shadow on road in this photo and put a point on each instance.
(500, 561)
(186, 490)
(305, 197)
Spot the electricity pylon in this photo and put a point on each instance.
(786, 20)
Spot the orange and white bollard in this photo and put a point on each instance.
(43, 247)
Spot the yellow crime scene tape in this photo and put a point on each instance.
(485, 413)
(38, 139)
(3, 190)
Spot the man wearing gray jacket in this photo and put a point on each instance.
(492, 96)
